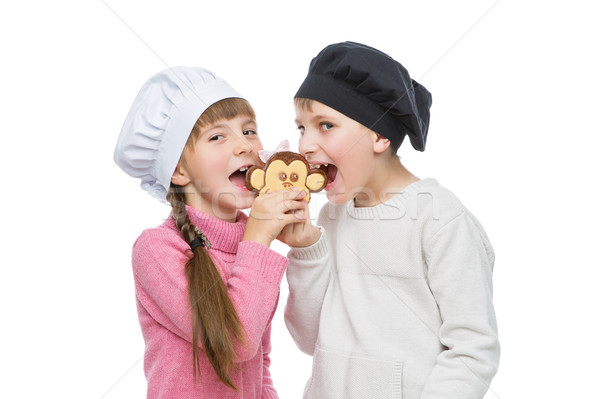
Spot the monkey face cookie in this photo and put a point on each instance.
(283, 170)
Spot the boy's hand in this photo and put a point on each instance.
(300, 234)
(270, 213)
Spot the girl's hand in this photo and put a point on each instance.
(271, 212)
(300, 234)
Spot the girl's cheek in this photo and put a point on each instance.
(220, 163)
(258, 145)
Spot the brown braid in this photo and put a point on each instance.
(215, 321)
(214, 318)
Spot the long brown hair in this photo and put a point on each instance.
(215, 322)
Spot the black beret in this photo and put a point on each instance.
(372, 88)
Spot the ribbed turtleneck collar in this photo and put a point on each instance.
(389, 208)
(224, 236)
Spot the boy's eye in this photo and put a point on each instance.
(326, 126)
(216, 137)
(249, 132)
(301, 129)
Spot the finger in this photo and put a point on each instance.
(293, 194)
(292, 207)
(289, 219)
(305, 212)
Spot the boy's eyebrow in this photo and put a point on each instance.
(315, 117)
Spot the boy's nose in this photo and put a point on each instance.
(307, 143)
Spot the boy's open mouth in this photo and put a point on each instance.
(331, 171)
(238, 178)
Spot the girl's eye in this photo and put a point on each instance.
(301, 129)
(216, 137)
(282, 176)
(249, 132)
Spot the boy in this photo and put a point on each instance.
(392, 295)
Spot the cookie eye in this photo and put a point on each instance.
(294, 177)
(282, 176)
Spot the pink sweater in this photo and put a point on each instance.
(252, 273)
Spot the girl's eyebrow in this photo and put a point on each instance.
(205, 132)
(249, 121)
(219, 126)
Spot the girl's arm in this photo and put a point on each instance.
(460, 261)
(162, 287)
(268, 390)
(254, 291)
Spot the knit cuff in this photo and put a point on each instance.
(318, 250)
(262, 260)
(269, 393)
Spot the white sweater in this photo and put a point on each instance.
(395, 300)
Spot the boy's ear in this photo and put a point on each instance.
(380, 144)
(180, 176)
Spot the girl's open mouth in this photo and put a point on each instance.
(238, 178)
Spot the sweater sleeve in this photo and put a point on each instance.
(162, 288)
(308, 276)
(254, 291)
(268, 390)
(460, 261)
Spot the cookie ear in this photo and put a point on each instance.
(255, 178)
(316, 180)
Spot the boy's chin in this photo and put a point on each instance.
(338, 198)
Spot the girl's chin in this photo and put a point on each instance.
(240, 188)
(246, 200)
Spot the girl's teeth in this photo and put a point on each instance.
(243, 169)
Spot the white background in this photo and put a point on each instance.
(514, 133)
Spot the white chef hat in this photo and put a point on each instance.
(160, 121)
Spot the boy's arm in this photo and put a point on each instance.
(308, 276)
(460, 261)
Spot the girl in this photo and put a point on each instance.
(206, 282)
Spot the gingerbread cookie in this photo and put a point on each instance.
(286, 169)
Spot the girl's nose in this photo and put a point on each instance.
(242, 146)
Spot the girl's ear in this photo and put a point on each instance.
(180, 176)
(380, 144)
